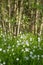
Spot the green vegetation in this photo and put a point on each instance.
(26, 49)
(21, 32)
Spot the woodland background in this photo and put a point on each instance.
(21, 32)
(19, 16)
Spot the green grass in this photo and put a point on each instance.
(26, 49)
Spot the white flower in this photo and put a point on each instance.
(5, 33)
(40, 48)
(0, 49)
(4, 39)
(32, 57)
(38, 57)
(23, 45)
(17, 59)
(4, 36)
(7, 50)
(22, 50)
(26, 58)
(22, 42)
(27, 43)
(9, 47)
(12, 45)
(13, 53)
(34, 47)
(30, 39)
(42, 56)
(5, 43)
(1, 64)
(18, 44)
(27, 49)
(31, 52)
(39, 39)
(12, 49)
(21, 37)
(4, 63)
(4, 51)
(17, 41)
(10, 54)
(35, 56)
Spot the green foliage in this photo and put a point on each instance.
(26, 19)
(37, 6)
(26, 49)
(12, 20)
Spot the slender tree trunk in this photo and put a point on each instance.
(20, 16)
(3, 15)
(9, 5)
(41, 27)
(37, 17)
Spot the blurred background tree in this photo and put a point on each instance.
(19, 16)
